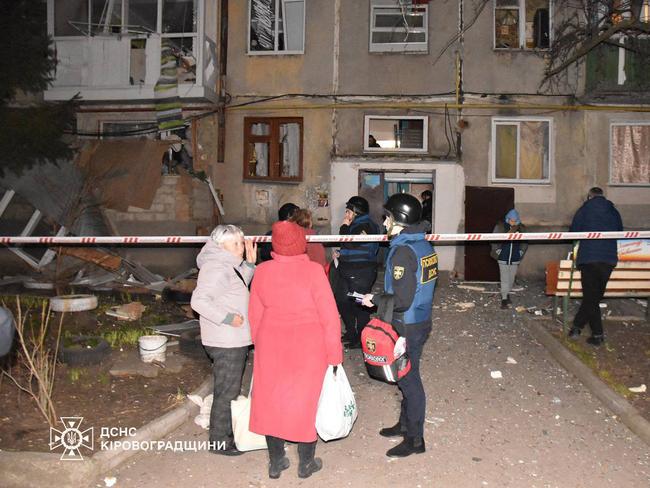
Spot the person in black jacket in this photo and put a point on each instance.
(508, 253)
(409, 281)
(357, 269)
(596, 260)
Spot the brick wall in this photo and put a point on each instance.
(178, 198)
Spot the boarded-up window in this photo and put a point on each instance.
(521, 151)
(630, 154)
(276, 26)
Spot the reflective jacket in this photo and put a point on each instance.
(425, 271)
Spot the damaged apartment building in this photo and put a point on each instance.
(313, 101)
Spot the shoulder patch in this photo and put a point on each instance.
(398, 272)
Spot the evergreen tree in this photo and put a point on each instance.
(30, 133)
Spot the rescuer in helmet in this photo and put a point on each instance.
(411, 275)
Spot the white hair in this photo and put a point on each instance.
(223, 233)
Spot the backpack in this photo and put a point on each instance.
(378, 340)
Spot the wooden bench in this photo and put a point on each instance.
(628, 279)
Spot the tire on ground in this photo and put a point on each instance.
(73, 303)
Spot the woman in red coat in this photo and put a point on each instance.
(296, 331)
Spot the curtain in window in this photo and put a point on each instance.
(533, 153)
(506, 151)
(292, 15)
(290, 141)
(631, 154)
(261, 150)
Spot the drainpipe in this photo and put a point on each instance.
(459, 80)
(221, 80)
(335, 72)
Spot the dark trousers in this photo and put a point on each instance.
(227, 370)
(594, 278)
(354, 315)
(306, 450)
(414, 399)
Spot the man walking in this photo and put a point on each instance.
(596, 260)
(357, 268)
(411, 275)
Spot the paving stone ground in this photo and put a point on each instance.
(537, 426)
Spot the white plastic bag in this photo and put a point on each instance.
(245, 440)
(205, 405)
(337, 408)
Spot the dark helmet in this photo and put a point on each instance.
(404, 208)
(358, 205)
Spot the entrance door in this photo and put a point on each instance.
(484, 206)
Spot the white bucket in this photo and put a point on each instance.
(152, 348)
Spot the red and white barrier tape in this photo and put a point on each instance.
(142, 240)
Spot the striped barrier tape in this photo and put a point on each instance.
(143, 240)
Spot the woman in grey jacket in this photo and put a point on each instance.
(221, 300)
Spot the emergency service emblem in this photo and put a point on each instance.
(371, 345)
(398, 272)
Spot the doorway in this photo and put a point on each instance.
(484, 206)
(377, 186)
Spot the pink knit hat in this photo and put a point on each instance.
(288, 239)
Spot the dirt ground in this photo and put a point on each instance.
(90, 391)
(537, 426)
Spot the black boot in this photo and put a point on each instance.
(278, 462)
(394, 431)
(410, 445)
(504, 304)
(574, 332)
(596, 340)
(308, 463)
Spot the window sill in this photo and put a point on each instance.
(275, 53)
(533, 50)
(292, 181)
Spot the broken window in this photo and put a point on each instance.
(630, 154)
(179, 16)
(70, 17)
(522, 24)
(273, 148)
(276, 26)
(142, 15)
(105, 16)
(521, 150)
(395, 134)
(403, 28)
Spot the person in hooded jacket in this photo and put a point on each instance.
(296, 332)
(508, 253)
(221, 300)
(596, 260)
(357, 268)
(410, 278)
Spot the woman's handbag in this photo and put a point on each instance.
(337, 408)
(240, 410)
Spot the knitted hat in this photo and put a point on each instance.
(513, 215)
(288, 239)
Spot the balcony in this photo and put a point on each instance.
(114, 52)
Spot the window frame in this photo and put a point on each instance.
(274, 153)
(493, 149)
(611, 136)
(522, 27)
(425, 134)
(123, 14)
(275, 51)
(104, 122)
(392, 47)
